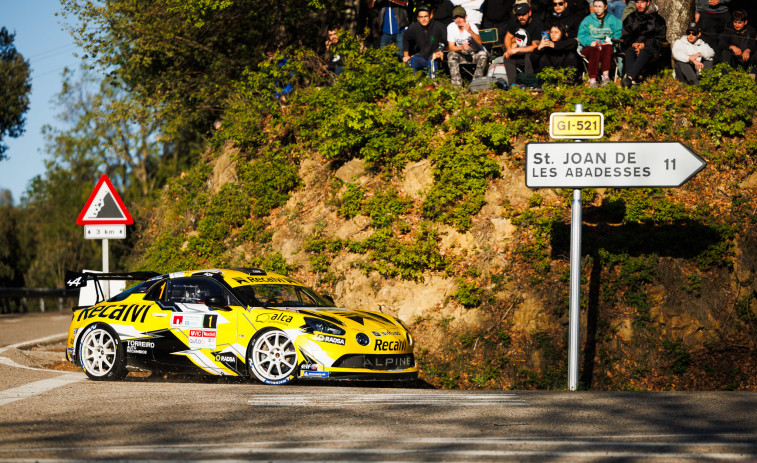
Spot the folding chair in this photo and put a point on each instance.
(490, 39)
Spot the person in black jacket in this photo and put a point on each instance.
(496, 13)
(423, 41)
(562, 14)
(738, 43)
(558, 50)
(644, 32)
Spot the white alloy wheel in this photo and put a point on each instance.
(99, 353)
(273, 358)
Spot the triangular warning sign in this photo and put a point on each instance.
(104, 207)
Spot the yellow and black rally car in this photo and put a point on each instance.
(233, 322)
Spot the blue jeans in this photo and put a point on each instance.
(417, 63)
(388, 39)
(616, 7)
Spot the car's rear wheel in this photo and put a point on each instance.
(101, 354)
(272, 357)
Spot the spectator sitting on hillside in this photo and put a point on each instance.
(558, 50)
(465, 46)
(712, 17)
(691, 54)
(644, 32)
(562, 14)
(737, 43)
(423, 41)
(332, 57)
(595, 39)
(521, 39)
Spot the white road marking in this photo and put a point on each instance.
(54, 337)
(425, 447)
(38, 387)
(442, 399)
(11, 363)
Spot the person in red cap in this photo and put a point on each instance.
(691, 54)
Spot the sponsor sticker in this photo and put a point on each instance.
(225, 358)
(310, 367)
(316, 374)
(279, 318)
(330, 339)
(380, 345)
(183, 320)
(378, 334)
(202, 339)
(135, 346)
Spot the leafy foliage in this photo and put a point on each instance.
(15, 86)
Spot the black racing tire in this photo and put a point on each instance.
(101, 353)
(272, 357)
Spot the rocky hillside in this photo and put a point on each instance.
(396, 194)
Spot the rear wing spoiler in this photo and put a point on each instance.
(77, 280)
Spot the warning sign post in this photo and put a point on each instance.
(104, 217)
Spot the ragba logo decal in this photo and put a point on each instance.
(389, 345)
(331, 339)
(122, 312)
(225, 358)
(274, 318)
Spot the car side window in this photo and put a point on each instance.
(193, 290)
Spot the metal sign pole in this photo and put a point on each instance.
(106, 268)
(575, 285)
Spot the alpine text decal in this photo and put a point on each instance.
(389, 345)
(122, 312)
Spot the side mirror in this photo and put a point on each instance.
(329, 298)
(216, 302)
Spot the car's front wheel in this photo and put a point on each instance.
(101, 354)
(272, 357)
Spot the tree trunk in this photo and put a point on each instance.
(678, 14)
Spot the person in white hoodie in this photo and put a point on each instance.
(691, 54)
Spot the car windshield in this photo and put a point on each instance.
(281, 296)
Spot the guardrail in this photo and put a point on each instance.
(16, 300)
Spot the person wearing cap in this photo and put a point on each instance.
(522, 36)
(691, 54)
(465, 46)
(712, 17)
(595, 37)
(644, 32)
(737, 43)
(423, 41)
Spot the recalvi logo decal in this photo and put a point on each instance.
(122, 312)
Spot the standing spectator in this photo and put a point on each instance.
(644, 31)
(737, 43)
(691, 54)
(558, 50)
(465, 46)
(563, 14)
(496, 14)
(393, 20)
(595, 39)
(521, 39)
(423, 41)
(616, 8)
(333, 58)
(712, 17)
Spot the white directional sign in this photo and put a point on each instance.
(610, 165)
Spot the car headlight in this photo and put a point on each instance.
(314, 324)
(362, 339)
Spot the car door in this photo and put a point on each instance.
(200, 326)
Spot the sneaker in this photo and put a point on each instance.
(606, 82)
(594, 84)
(626, 82)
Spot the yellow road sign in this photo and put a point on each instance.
(576, 125)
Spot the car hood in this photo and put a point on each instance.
(359, 320)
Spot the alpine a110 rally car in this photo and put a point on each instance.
(233, 322)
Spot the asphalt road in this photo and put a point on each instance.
(53, 415)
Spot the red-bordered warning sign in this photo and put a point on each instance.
(104, 207)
